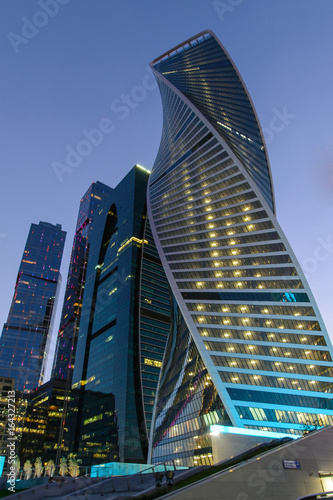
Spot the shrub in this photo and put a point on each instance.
(38, 467)
(50, 468)
(73, 466)
(63, 470)
(27, 469)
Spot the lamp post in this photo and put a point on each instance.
(169, 475)
(158, 476)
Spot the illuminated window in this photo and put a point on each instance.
(152, 362)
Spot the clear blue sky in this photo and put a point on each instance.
(63, 77)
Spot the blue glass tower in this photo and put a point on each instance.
(71, 312)
(123, 331)
(26, 337)
(248, 347)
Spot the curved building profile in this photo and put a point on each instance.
(248, 347)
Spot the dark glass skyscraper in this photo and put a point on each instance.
(248, 347)
(72, 306)
(42, 421)
(26, 336)
(123, 331)
(64, 361)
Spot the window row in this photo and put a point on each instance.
(273, 366)
(230, 251)
(275, 382)
(233, 262)
(284, 416)
(277, 398)
(270, 310)
(237, 273)
(261, 322)
(214, 242)
(290, 338)
(260, 350)
(255, 284)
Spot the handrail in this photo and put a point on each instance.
(112, 479)
(156, 465)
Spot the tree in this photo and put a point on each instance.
(73, 465)
(27, 469)
(50, 468)
(17, 465)
(63, 470)
(38, 467)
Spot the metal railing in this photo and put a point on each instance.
(153, 474)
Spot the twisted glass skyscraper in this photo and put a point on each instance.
(248, 347)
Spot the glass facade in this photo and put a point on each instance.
(71, 313)
(123, 331)
(250, 315)
(188, 402)
(26, 337)
(41, 423)
(154, 321)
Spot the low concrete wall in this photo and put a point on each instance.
(69, 486)
(227, 446)
(265, 478)
(29, 483)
